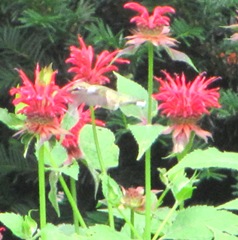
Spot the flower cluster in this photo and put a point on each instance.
(152, 28)
(184, 103)
(91, 68)
(42, 102)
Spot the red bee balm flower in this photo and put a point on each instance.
(153, 28)
(184, 104)
(43, 103)
(89, 69)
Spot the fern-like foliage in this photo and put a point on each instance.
(185, 32)
(229, 102)
(102, 35)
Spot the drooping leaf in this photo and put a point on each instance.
(211, 157)
(176, 55)
(145, 135)
(111, 190)
(53, 180)
(199, 222)
(129, 87)
(109, 150)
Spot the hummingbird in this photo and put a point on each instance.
(98, 95)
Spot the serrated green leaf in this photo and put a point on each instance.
(108, 148)
(145, 135)
(50, 232)
(176, 55)
(53, 180)
(129, 87)
(211, 157)
(201, 219)
(231, 205)
(9, 218)
(10, 119)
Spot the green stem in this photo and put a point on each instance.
(160, 200)
(102, 166)
(42, 195)
(133, 223)
(147, 232)
(170, 213)
(95, 136)
(135, 233)
(73, 204)
(74, 195)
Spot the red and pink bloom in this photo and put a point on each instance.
(92, 68)
(184, 103)
(42, 102)
(153, 27)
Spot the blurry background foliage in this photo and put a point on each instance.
(41, 31)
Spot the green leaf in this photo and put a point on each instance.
(71, 170)
(199, 222)
(111, 190)
(108, 148)
(211, 157)
(53, 180)
(54, 155)
(231, 205)
(102, 232)
(29, 226)
(50, 232)
(22, 227)
(129, 87)
(145, 135)
(8, 219)
(181, 186)
(176, 55)
(10, 119)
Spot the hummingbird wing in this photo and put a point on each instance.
(97, 95)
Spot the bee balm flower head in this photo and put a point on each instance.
(92, 68)
(153, 27)
(42, 102)
(184, 103)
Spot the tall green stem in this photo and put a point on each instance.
(41, 176)
(147, 231)
(73, 204)
(135, 233)
(170, 213)
(103, 169)
(74, 195)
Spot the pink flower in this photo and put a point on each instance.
(153, 28)
(42, 102)
(184, 103)
(91, 68)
